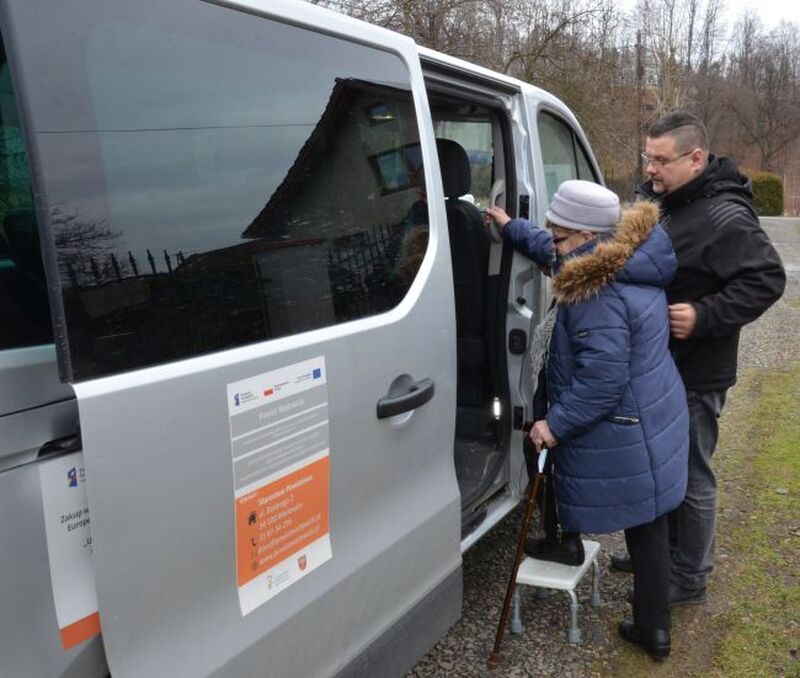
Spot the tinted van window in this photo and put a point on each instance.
(223, 181)
(24, 311)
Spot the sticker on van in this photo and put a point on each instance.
(69, 548)
(280, 449)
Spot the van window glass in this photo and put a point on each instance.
(24, 311)
(223, 180)
(558, 154)
(585, 170)
(563, 155)
(475, 137)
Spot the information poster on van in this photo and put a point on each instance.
(69, 548)
(281, 473)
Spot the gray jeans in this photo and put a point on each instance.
(692, 524)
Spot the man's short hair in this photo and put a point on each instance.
(687, 130)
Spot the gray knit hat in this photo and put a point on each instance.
(584, 206)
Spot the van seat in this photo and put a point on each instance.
(469, 249)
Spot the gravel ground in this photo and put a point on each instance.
(542, 649)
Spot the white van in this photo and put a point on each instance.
(251, 324)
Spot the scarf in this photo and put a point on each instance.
(540, 343)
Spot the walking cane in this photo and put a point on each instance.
(533, 495)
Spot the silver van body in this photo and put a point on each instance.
(225, 191)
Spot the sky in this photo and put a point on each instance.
(770, 11)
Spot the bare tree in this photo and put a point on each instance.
(83, 246)
(585, 52)
(670, 27)
(706, 77)
(765, 97)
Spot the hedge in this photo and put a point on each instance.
(768, 194)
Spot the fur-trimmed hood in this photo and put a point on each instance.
(640, 252)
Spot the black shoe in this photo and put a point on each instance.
(538, 545)
(679, 596)
(621, 561)
(656, 642)
(566, 552)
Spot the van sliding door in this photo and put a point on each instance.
(257, 320)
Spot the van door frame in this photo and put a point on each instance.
(463, 81)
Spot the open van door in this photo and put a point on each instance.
(257, 320)
(497, 291)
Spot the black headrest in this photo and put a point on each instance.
(456, 175)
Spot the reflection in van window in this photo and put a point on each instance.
(24, 311)
(224, 194)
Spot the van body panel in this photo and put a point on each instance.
(30, 378)
(394, 501)
(30, 644)
(156, 425)
(157, 440)
(473, 72)
(405, 642)
(23, 435)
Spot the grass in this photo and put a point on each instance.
(763, 634)
(751, 625)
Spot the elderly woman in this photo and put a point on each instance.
(617, 423)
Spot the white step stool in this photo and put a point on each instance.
(546, 575)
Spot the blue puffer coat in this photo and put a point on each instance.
(617, 403)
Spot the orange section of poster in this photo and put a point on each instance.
(81, 630)
(278, 520)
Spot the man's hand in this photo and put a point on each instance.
(541, 436)
(497, 215)
(682, 319)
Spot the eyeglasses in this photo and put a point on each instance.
(557, 238)
(661, 162)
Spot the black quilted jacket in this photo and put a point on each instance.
(727, 268)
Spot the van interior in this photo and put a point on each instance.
(469, 143)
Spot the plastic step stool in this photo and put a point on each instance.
(543, 574)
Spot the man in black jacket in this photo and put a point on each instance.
(728, 275)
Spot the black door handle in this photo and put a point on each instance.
(405, 394)
(71, 443)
